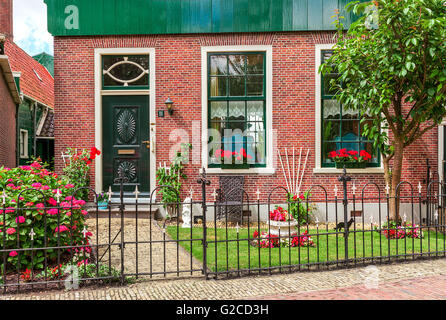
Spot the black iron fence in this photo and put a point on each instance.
(65, 243)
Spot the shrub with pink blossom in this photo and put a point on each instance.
(266, 240)
(31, 209)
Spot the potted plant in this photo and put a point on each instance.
(281, 221)
(233, 159)
(350, 159)
(102, 201)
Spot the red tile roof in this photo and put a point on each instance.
(41, 90)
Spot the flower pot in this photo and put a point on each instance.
(235, 166)
(103, 205)
(351, 165)
(287, 228)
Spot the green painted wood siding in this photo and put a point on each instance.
(126, 17)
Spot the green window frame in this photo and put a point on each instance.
(341, 128)
(134, 66)
(238, 89)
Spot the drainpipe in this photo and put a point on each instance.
(34, 129)
(17, 134)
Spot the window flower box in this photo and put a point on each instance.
(350, 159)
(351, 165)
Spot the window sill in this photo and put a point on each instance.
(259, 171)
(378, 170)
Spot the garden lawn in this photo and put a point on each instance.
(240, 255)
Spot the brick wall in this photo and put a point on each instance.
(6, 13)
(7, 126)
(178, 76)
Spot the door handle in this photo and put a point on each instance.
(147, 143)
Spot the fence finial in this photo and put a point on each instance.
(58, 195)
(109, 193)
(420, 188)
(32, 234)
(4, 197)
(136, 193)
(387, 188)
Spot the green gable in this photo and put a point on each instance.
(46, 60)
(125, 17)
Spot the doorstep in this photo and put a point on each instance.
(130, 211)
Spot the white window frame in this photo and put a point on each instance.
(25, 154)
(268, 50)
(318, 122)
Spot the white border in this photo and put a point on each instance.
(440, 145)
(25, 154)
(98, 53)
(318, 123)
(269, 109)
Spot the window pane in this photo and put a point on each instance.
(237, 110)
(254, 85)
(219, 110)
(219, 65)
(350, 130)
(331, 130)
(255, 110)
(328, 90)
(218, 87)
(237, 86)
(126, 71)
(349, 114)
(368, 146)
(328, 147)
(255, 63)
(331, 109)
(237, 65)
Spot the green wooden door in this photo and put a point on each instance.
(125, 140)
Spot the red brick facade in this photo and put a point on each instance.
(6, 18)
(7, 125)
(178, 76)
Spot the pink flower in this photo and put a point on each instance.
(52, 202)
(13, 253)
(69, 186)
(84, 212)
(61, 228)
(40, 205)
(29, 204)
(10, 231)
(27, 168)
(10, 210)
(53, 212)
(36, 185)
(20, 219)
(36, 165)
(45, 188)
(10, 185)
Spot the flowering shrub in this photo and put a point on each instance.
(266, 240)
(79, 166)
(31, 209)
(396, 230)
(300, 209)
(280, 214)
(343, 155)
(227, 156)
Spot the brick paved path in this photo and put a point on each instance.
(424, 288)
(428, 275)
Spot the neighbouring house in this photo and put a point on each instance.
(249, 66)
(9, 102)
(45, 60)
(35, 124)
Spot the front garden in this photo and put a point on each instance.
(232, 250)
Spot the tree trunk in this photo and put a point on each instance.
(395, 179)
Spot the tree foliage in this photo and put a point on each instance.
(392, 66)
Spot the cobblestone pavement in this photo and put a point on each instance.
(158, 257)
(275, 286)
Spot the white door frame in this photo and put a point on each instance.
(98, 53)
